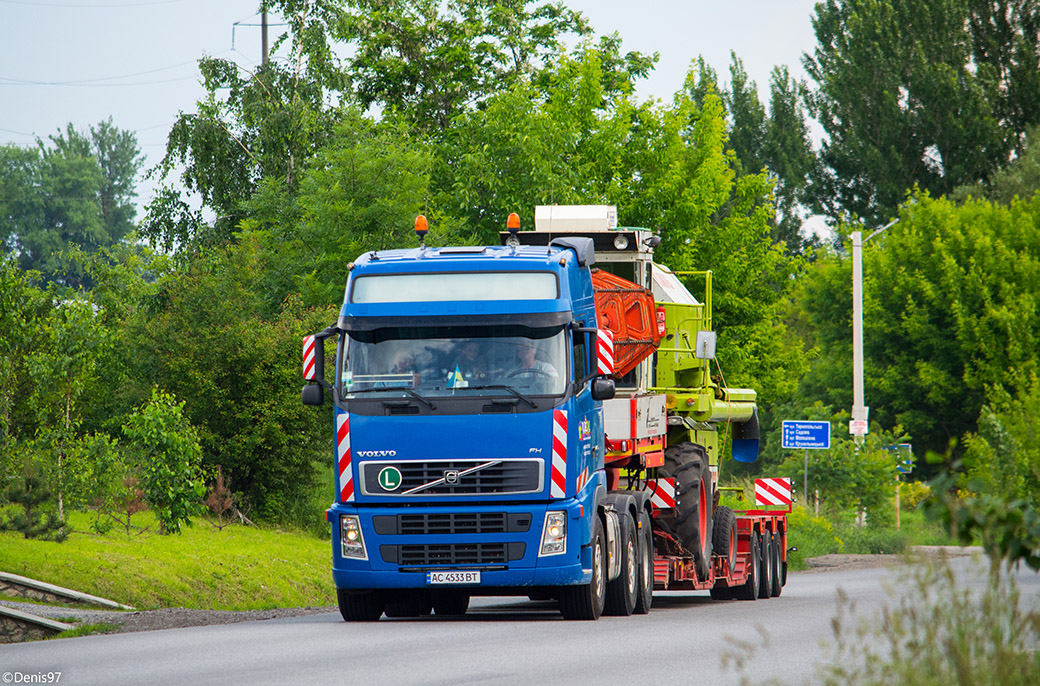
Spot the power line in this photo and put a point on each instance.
(95, 85)
(102, 5)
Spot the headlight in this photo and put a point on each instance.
(554, 534)
(351, 541)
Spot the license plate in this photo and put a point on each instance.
(452, 577)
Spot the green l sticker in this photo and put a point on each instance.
(389, 478)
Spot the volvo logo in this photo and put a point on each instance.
(451, 476)
(377, 453)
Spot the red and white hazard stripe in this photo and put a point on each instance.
(308, 358)
(773, 491)
(662, 492)
(346, 476)
(605, 351)
(558, 487)
(583, 479)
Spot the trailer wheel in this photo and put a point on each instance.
(450, 602)
(360, 606)
(622, 591)
(749, 589)
(687, 463)
(778, 584)
(645, 596)
(586, 601)
(724, 536)
(765, 584)
(724, 543)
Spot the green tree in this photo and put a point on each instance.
(430, 61)
(169, 458)
(949, 313)
(250, 126)
(205, 336)
(61, 366)
(75, 191)
(914, 92)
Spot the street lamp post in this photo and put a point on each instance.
(860, 411)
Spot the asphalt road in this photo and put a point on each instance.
(684, 640)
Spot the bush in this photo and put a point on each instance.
(870, 540)
(812, 535)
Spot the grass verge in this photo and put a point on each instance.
(239, 568)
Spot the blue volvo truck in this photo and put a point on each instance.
(472, 453)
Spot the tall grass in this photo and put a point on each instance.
(938, 632)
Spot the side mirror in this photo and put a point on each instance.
(603, 389)
(313, 394)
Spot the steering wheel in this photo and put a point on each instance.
(529, 370)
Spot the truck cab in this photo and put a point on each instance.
(469, 426)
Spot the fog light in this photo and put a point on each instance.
(554, 534)
(351, 542)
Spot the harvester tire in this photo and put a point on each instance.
(622, 591)
(778, 583)
(586, 601)
(645, 533)
(687, 463)
(765, 584)
(360, 606)
(749, 589)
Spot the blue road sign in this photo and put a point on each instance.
(808, 435)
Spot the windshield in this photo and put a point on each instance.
(455, 361)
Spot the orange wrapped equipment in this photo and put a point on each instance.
(628, 311)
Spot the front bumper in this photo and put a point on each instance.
(399, 555)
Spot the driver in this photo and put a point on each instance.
(529, 366)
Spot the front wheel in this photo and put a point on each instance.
(586, 601)
(360, 606)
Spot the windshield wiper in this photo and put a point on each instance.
(405, 389)
(512, 390)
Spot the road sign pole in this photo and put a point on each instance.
(805, 479)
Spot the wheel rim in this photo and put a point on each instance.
(598, 569)
(631, 571)
(647, 556)
(702, 518)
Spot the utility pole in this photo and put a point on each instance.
(860, 411)
(263, 34)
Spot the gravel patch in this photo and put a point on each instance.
(156, 620)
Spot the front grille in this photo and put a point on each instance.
(448, 523)
(508, 476)
(453, 554)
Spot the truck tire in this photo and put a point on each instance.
(687, 463)
(778, 584)
(622, 591)
(586, 601)
(645, 597)
(749, 589)
(724, 544)
(765, 574)
(360, 606)
(449, 603)
(724, 536)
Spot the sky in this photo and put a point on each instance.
(83, 61)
